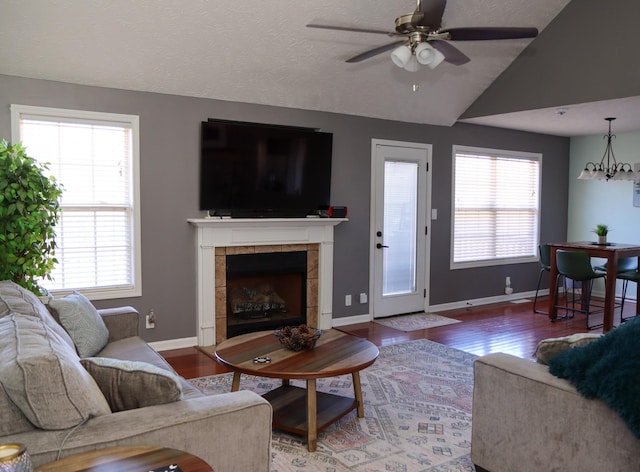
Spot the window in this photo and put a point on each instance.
(95, 156)
(496, 204)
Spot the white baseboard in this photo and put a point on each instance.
(349, 320)
(486, 301)
(174, 344)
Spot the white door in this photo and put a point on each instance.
(399, 233)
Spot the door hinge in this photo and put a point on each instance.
(426, 230)
(427, 167)
(424, 293)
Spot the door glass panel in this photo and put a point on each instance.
(399, 232)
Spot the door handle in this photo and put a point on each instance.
(380, 245)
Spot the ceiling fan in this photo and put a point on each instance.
(425, 41)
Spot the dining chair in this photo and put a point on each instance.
(624, 265)
(629, 267)
(626, 277)
(576, 266)
(544, 252)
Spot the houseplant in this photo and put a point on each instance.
(601, 231)
(29, 211)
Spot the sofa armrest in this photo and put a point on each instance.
(230, 431)
(528, 420)
(122, 322)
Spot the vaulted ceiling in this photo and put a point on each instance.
(258, 51)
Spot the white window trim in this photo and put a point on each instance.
(501, 152)
(109, 118)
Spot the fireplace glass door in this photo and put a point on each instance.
(265, 291)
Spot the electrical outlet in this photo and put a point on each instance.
(347, 300)
(508, 290)
(363, 298)
(151, 319)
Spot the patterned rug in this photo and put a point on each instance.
(416, 321)
(417, 402)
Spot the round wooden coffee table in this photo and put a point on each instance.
(118, 459)
(298, 410)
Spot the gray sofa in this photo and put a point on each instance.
(231, 431)
(526, 420)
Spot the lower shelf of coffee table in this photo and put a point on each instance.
(290, 408)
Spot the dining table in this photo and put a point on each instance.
(612, 252)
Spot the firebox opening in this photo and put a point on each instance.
(265, 291)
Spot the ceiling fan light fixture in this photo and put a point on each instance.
(438, 57)
(429, 56)
(401, 55)
(412, 65)
(424, 53)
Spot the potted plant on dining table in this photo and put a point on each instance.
(601, 231)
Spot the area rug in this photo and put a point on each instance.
(417, 402)
(416, 321)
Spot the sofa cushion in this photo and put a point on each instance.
(13, 420)
(129, 384)
(82, 321)
(16, 300)
(135, 348)
(608, 369)
(43, 376)
(549, 348)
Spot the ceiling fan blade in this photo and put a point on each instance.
(481, 33)
(451, 53)
(429, 13)
(374, 52)
(353, 29)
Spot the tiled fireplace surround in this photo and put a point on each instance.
(216, 238)
(221, 254)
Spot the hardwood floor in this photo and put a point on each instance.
(506, 327)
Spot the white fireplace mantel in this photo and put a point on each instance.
(227, 232)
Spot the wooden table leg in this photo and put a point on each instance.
(637, 298)
(357, 390)
(312, 412)
(235, 384)
(553, 289)
(610, 292)
(285, 382)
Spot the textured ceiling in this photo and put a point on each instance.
(258, 51)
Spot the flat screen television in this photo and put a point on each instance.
(257, 171)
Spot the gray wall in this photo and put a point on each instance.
(169, 127)
(587, 53)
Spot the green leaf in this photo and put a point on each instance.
(29, 211)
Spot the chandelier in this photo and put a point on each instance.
(612, 170)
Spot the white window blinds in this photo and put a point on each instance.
(94, 158)
(496, 207)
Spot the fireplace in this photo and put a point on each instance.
(217, 238)
(265, 287)
(265, 291)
